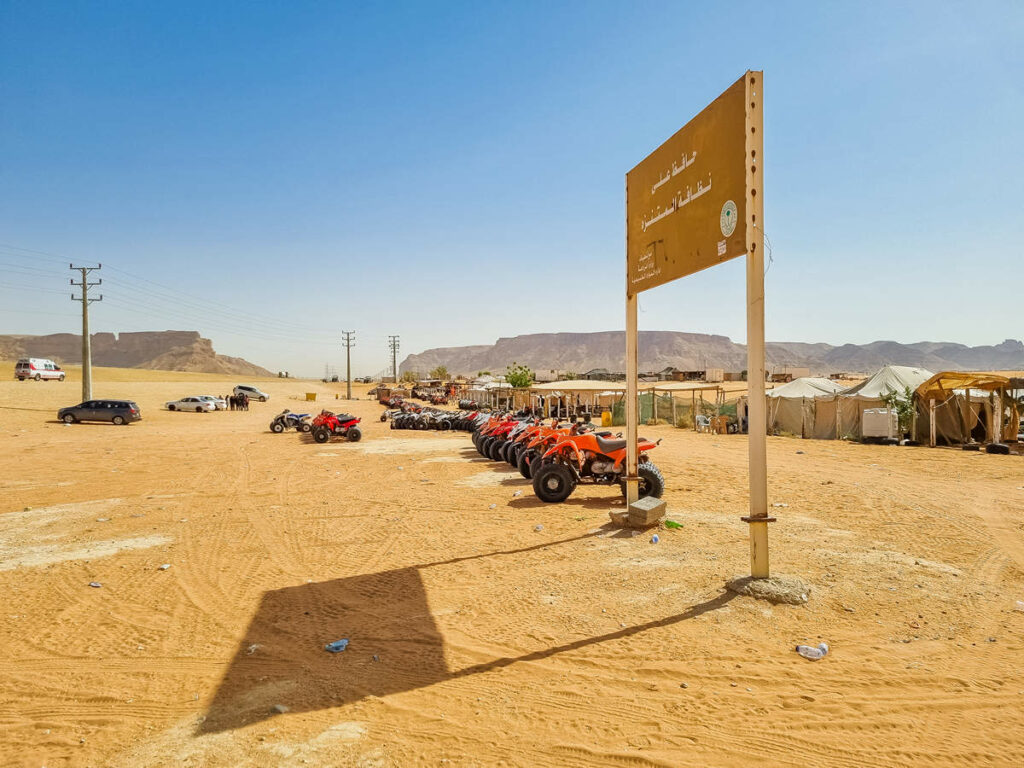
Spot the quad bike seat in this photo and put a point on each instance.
(607, 446)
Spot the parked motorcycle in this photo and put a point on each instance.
(591, 458)
(327, 425)
(288, 420)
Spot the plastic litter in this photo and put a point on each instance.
(538, 528)
(811, 652)
(1019, 606)
(673, 524)
(655, 539)
(95, 584)
(337, 646)
(492, 506)
(164, 567)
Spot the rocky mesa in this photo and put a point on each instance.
(158, 350)
(581, 352)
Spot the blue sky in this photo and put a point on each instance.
(272, 173)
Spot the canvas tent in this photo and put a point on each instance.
(791, 406)
(841, 415)
(959, 407)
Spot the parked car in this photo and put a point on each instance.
(219, 402)
(197, 404)
(115, 411)
(38, 369)
(251, 392)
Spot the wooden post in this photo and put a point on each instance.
(998, 417)
(931, 422)
(673, 410)
(632, 466)
(965, 415)
(693, 408)
(757, 420)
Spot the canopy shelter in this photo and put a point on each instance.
(964, 407)
(563, 398)
(791, 407)
(841, 415)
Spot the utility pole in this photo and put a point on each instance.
(349, 343)
(393, 346)
(85, 285)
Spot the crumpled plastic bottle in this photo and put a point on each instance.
(812, 653)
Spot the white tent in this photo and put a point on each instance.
(791, 406)
(841, 415)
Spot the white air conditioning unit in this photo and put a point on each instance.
(880, 422)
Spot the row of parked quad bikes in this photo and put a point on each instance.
(323, 426)
(556, 456)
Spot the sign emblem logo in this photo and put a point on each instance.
(727, 220)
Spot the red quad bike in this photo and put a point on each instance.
(328, 425)
(591, 458)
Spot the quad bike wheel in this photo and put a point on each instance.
(652, 482)
(485, 445)
(512, 454)
(384, 416)
(524, 461)
(354, 434)
(496, 446)
(277, 427)
(321, 434)
(305, 427)
(554, 483)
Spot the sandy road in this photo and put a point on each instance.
(475, 638)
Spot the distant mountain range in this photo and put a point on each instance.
(581, 352)
(158, 350)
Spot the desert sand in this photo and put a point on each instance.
(486, 628)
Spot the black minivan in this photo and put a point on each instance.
(115, 411)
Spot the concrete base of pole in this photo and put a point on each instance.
(787, 590)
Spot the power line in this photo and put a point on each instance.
(393, 346)
(170, 295)
(349, 342)
(85, 285)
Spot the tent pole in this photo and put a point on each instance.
(632, 400)
(965, 415)
(931, 422)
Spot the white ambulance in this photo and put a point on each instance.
(38, 369)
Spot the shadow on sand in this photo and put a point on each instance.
(386, 615)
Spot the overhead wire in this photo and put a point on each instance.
(169, 301)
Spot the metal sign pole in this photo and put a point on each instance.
(632, 469)
(757, 423)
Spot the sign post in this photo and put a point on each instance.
(694, 202)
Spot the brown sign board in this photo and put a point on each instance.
(686, 202)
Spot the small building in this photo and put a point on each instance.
(714, 374)
(546, 376)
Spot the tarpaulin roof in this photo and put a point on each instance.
(581, 385)
(808, 386)
(942, 385)
(891, 378)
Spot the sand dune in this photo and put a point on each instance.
(475, 638)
